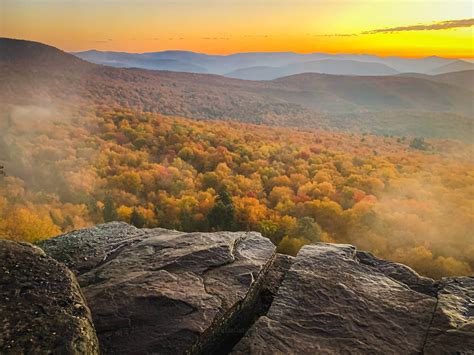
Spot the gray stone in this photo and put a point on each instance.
(330, 303)
(452, 327)
(84, 249)
(399, 272)
(161, 291)
(157, 291)
(276, 274)
(42, 309)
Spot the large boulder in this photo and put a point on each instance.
(159, 291)
(42, 309)
(329, 302)
(452, 327)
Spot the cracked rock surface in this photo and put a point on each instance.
(85, 249)
(42, 309)
(159, 291)
(329, 302)
(399, 272)
(452, 327)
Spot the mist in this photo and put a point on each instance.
(424, 225)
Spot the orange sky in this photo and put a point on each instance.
(228, 26)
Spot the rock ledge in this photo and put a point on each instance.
(155, 291)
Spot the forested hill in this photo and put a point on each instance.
(36, 74)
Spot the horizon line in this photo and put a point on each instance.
(247, 52)
(263, 51)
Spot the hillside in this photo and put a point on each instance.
(458, 65)
(350, 94)
(30, 55)
(325, 66)
(463, 79)
(29, 77)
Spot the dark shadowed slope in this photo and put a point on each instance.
(345, 93)
(26, 54)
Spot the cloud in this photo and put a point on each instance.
(443, 25)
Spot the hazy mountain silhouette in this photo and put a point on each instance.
(325, 66)
(263, 64)
(463, 79)
(127, 60)
(458, 65)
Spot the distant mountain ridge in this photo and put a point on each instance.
(272, 65)
(127, 60)
(323, 66)
(458, 65)
(39, 75)
(463, 79)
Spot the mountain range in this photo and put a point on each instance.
(32, 73)
(273, 65)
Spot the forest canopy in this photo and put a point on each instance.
(405, 199)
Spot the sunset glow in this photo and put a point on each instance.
(229, 26)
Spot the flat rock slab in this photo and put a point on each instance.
(85, 249)
(331, 303)
(158, 291)
(452, 328)
(42, 309)
(399, 272)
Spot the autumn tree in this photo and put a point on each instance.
(110, 210)
(418, 143)
(137, 219)
(308, 229)
(222, 215)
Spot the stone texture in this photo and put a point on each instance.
(84, 249)
(158, 291)
(330, 303)
(452, 327)
(399, 272)
(276, 274)
(42, 309)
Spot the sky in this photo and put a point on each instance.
(408, 28)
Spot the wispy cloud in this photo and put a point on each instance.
(443, 25)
